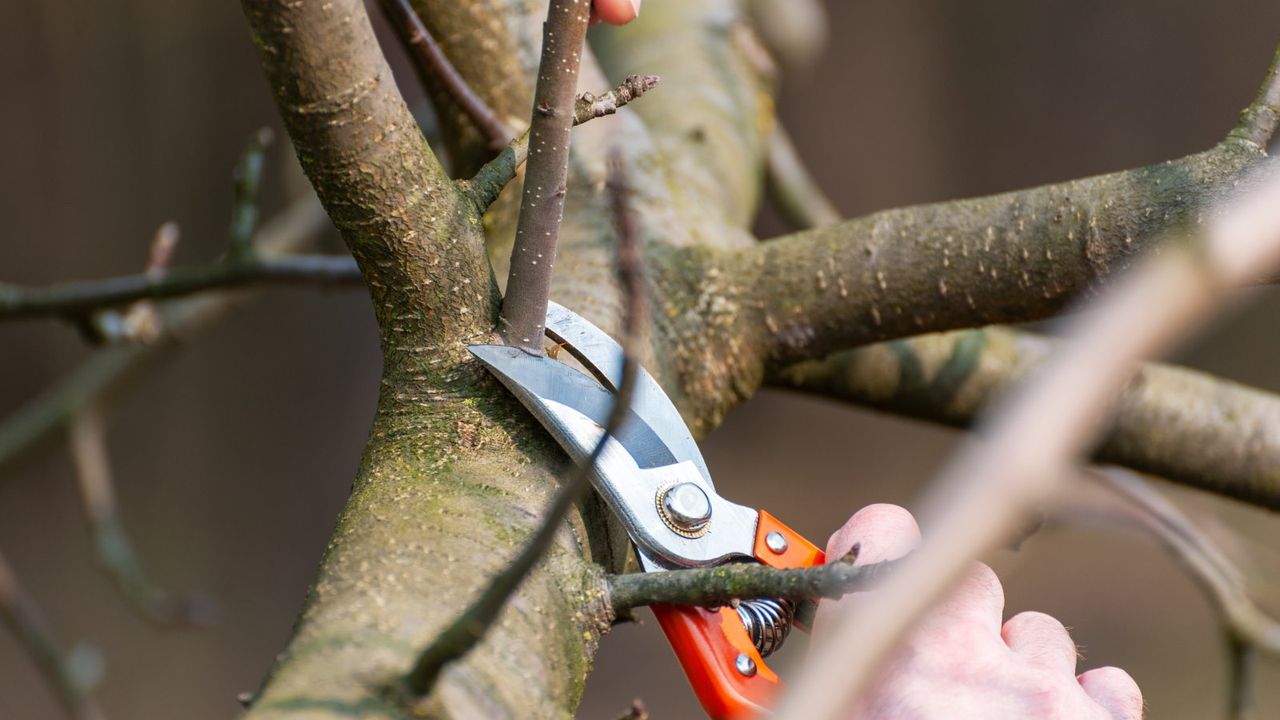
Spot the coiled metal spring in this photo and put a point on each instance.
(768, 622)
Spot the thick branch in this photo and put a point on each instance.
(404, 221)
(712, 586)
(1013, 257)
(73, 300)
(1180, 424)
(524, 307)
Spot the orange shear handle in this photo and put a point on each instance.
(726, 671)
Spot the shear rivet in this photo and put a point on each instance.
(745, 665)
(776, 542)
(685, 508)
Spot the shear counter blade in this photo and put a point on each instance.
(602, 355)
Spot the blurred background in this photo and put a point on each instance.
(233, 457)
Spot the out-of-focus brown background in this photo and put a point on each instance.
(233, 459)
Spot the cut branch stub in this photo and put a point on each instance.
(524, 308)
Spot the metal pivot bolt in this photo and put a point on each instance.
(745, 665)
(776, 542)
(685, 508)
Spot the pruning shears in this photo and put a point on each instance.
(653, 477)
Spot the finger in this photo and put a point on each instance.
(977, 600)
(1042, 641)
(881, 532)
(1115, 691)
(615, 12)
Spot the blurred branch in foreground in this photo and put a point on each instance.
(1033, 436)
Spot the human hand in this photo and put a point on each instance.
(615, 12)
(961, 664)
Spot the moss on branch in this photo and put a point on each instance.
(1189, 427)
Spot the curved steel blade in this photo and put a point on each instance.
(634, 466)
(602, 355)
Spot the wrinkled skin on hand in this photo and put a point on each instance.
(962, 663)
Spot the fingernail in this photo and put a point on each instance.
(635, 5)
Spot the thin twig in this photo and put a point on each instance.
(1204, 561)
(76, 299)
(489, 181)
(109, 369)
(139, 322)
(712, 586)
(28, 623)
(115, 552)
(1258, 121)
(471, 625)
(1248, 629)
(797, 195)
(637, 711)
(1012, 469)
(1243, 657)
(524, 307)
(431, 63)
(246, 189)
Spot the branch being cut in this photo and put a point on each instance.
(1019, 463)
(524, 307)
(24, 618)
(115, 552)
(490, 180)
(1180, 424)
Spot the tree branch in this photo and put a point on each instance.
(493, 176)
(406, 224)
(432, 64)
(1183, 425)
(1258, 121)
(794, 191)
(28, 624)
(74, 300)
(720, 585)
(524, 307)
(115, 552)
(1013, 257)
(109, 370)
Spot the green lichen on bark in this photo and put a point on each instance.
(1180, 424)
